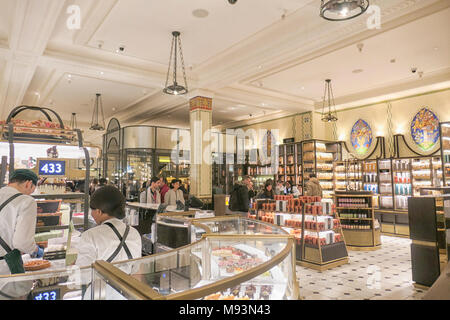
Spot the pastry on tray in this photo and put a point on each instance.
(35, 265)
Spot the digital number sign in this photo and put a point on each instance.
(47, 295)
(52, 168)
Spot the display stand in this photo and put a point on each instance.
(359, 226)
(318, 157)
(57, 135)
(320, 244)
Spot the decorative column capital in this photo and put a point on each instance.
(199, 102)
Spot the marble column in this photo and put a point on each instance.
(201, 169)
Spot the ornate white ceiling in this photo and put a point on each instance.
(264, 58)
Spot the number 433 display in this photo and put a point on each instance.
(52, 168)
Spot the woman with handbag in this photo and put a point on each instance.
(18, 211)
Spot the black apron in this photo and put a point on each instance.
(13, 258)
(122, 242)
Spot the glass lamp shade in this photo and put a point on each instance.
(340, 10)
(175, 89)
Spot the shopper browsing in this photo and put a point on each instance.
(143, 193)
(163, 188)
(279, 189)
(111, 240)
(239, 197)
(313, 187)
(18, 221)
(267, 193)
(174, 194)
(153, 195)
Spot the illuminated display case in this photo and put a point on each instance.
(133, 154)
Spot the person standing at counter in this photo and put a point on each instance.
(174, 194)
(111, 240)
(163, 188)
(143, 193)
(18, 221)
(239, 197)
(267, 193)
(153, 195)
(313, 188)
(279, 189)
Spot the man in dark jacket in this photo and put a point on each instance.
(240, 197)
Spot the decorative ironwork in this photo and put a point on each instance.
(98, 107)
(331, 115)
(175, 88)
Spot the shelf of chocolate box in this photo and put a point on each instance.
(286, 211)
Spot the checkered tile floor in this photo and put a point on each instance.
(383, 274)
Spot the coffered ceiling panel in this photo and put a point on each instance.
(384, 60)
(144, 27)
(6, 13)
(74, 93)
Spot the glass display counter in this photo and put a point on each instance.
(228, 257)
(177, 231)
(244, 267)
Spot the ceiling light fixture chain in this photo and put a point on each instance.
(98, 107)
(73, 121)
(331, 115)
(175, 88)
(182, 63)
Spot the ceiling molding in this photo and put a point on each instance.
(429, 82)
(91, 23)
(290, 45)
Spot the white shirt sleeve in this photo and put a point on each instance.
(25, 228)
(87, 252)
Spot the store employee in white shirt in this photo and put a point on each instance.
(18, 217)
(111, 240)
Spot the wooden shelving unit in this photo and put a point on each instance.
(360, 228)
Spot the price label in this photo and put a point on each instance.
(52, 168)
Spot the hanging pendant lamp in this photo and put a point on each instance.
(98, 107)
(175, 88)
(73, 121)
(340, 10)
(328, 97)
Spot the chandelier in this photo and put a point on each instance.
(73, 121)
(328, 97)
(98, 107)
(340, 10)
(175, 88)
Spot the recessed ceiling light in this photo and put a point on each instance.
(436, 48)
(114, 109)
(102, 73)
(303, 88)
(357, 70)
(200, 13)
(259, 67)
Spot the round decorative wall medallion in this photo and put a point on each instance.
(361, 137)
(425, 129)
